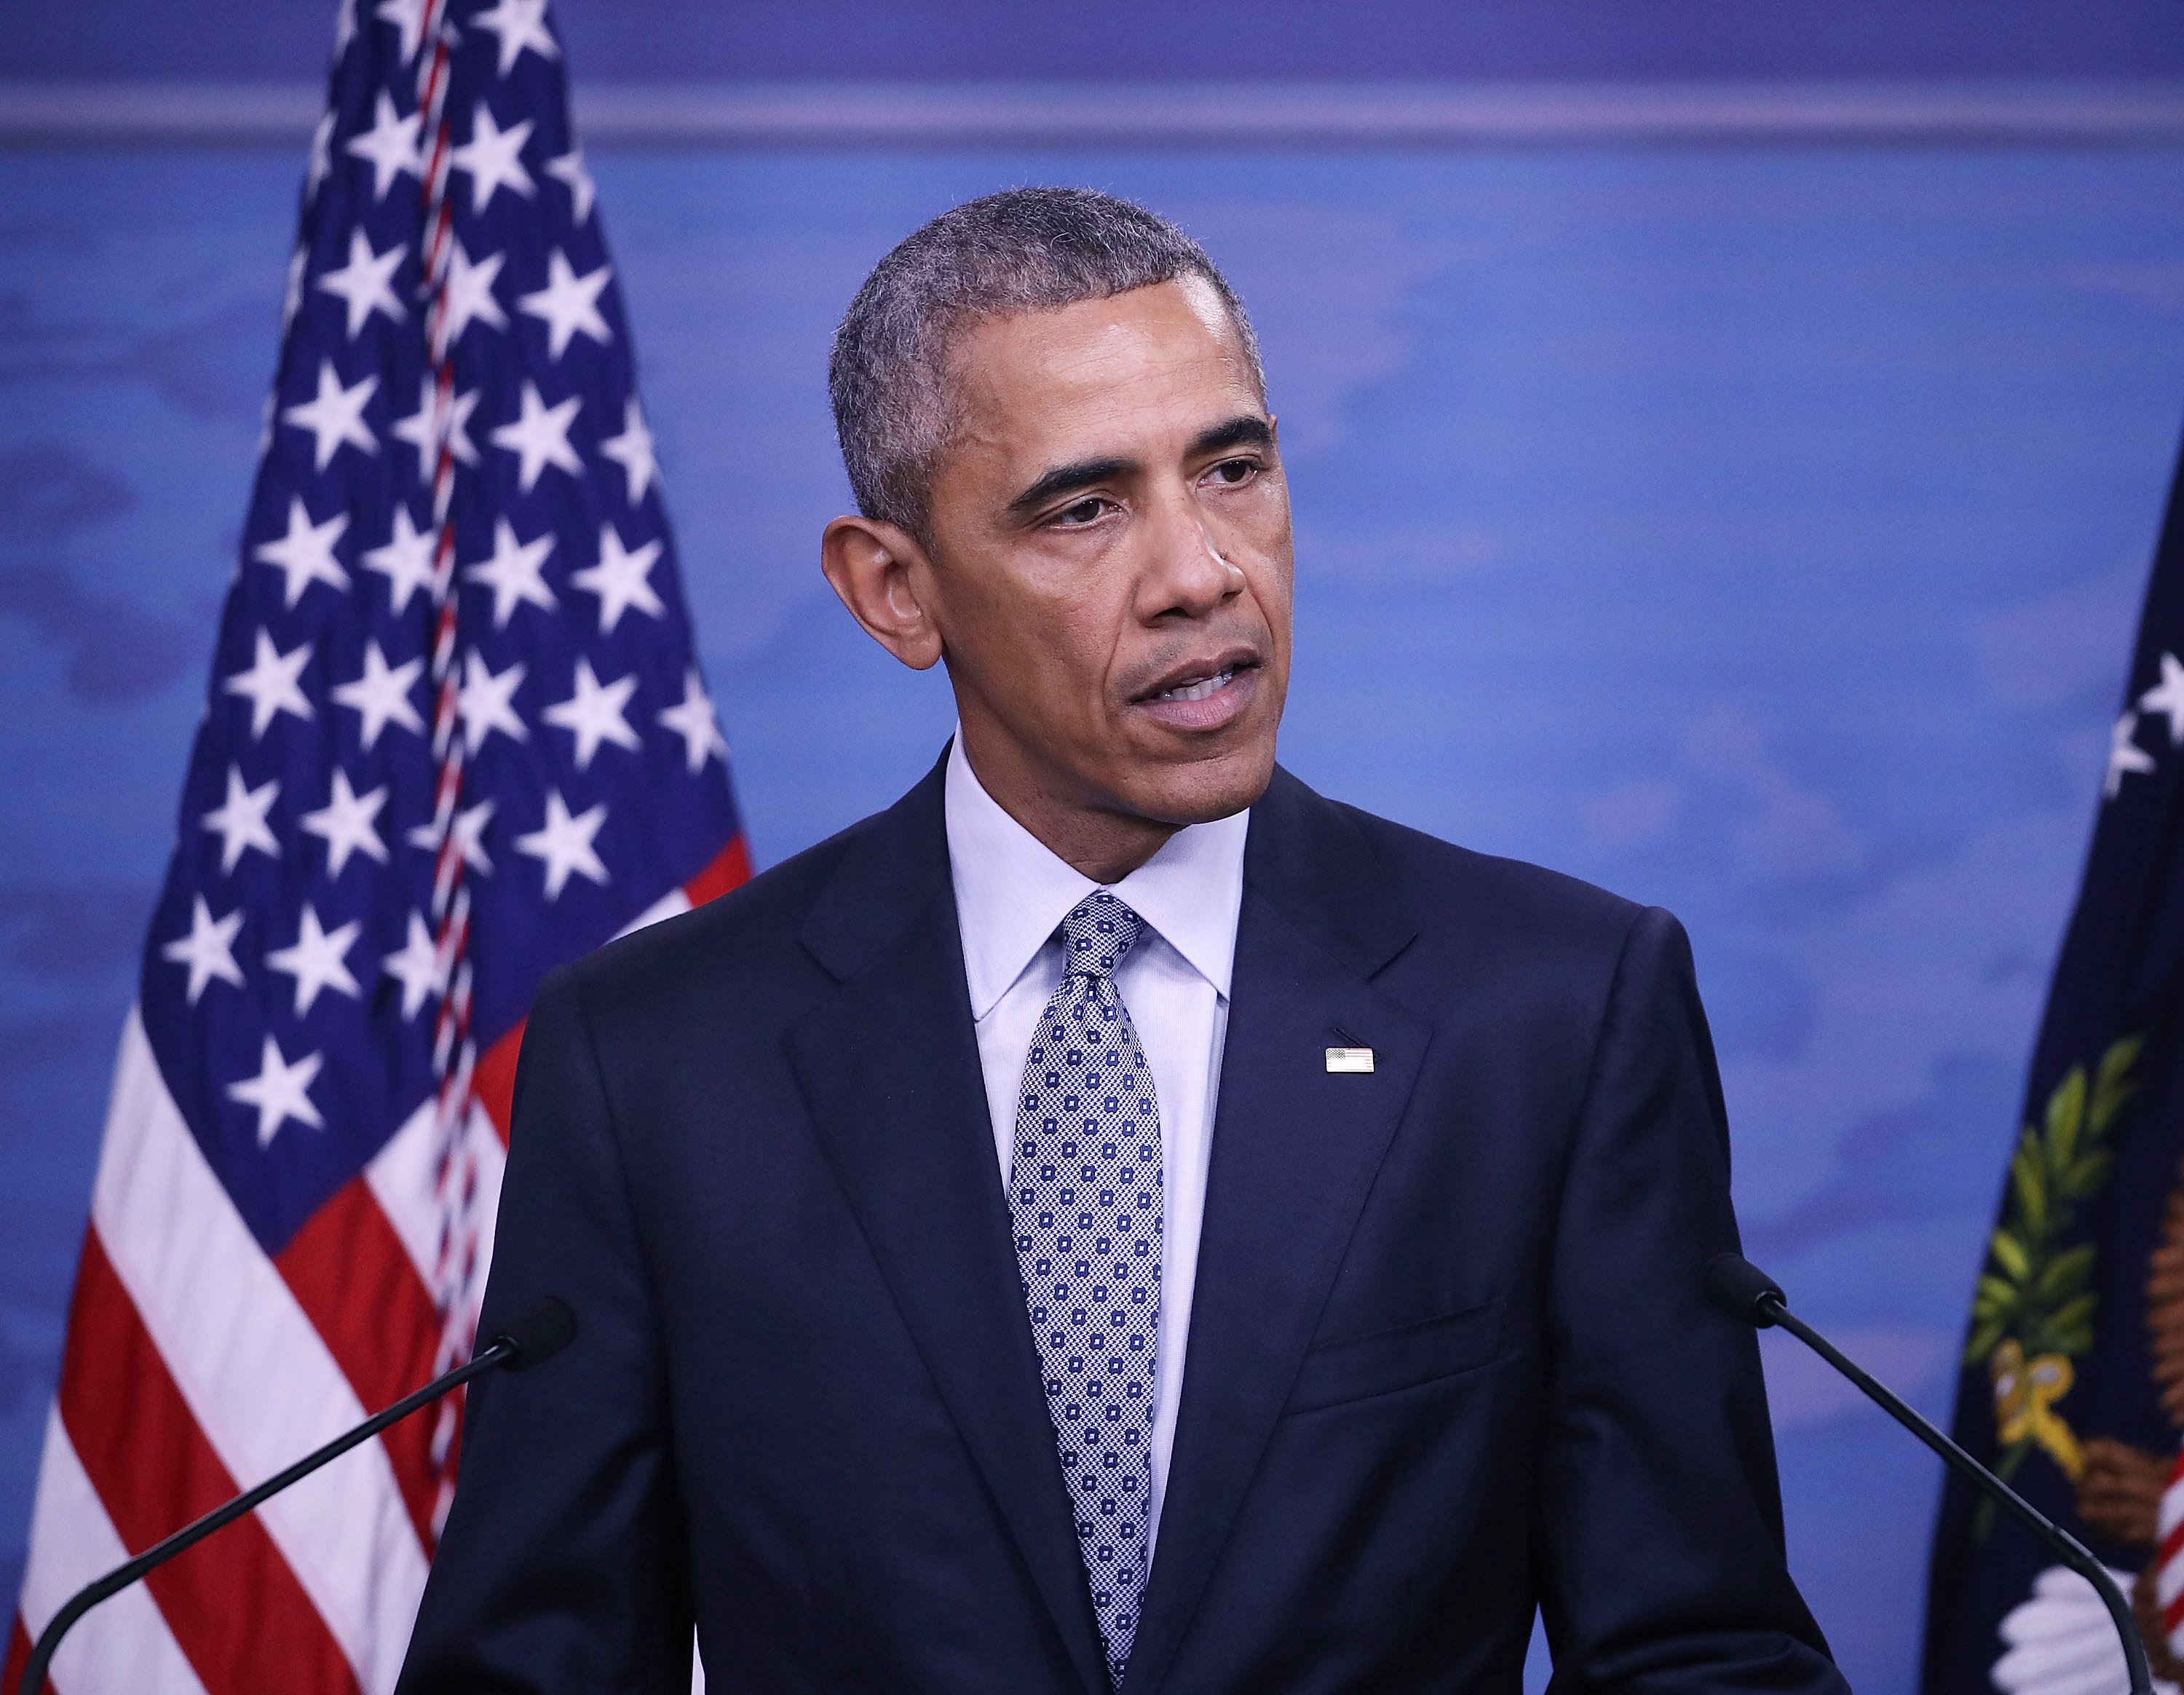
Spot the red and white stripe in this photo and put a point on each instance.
(192, 1370)
(2169, 1559)
(196, 1364)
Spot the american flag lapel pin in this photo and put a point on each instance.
(1350, 1059)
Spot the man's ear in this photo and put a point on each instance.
(884, 578)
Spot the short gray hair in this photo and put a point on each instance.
(1022, 250)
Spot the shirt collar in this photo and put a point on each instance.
(1012, 891)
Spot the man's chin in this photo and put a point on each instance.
(1201, 790)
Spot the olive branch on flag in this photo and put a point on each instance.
(2033, 1311)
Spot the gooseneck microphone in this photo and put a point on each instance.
(535, 1334)
(1743, 1291)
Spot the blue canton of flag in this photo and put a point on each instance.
(456, 735)
(594, 780)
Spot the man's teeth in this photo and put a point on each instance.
(1200, 690)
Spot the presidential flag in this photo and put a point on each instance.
(2073, 1371)
(455, 735)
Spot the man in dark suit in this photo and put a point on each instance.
(1116, 1219)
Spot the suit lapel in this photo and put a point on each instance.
(889, 1072)
(1296, 1150)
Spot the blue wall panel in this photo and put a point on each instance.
(1132, 41)
(1757, 533)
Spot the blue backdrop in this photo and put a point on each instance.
(1756, 532)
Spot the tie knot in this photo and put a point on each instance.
(1100, 930)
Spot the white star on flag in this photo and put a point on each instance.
(621, 579)
(483, 704)
(348, 823)
(239, 821)
(593, 714)
(322, 156)
(380, 696)
(366, 284)
(562, 843)
(492, 158)
(2125, 757)
(469, 293)
(513, 573)
(407, 16)
(568, 304)
(208, 950)
(421, 429)
(417, 966)
(404, 560)
(469, 833)
(269, 683)
(570, 169)
(292, 296)
(318, 961)
(280, 1091)
(2166, 697)
(335, 415)
(305, 554)
(467, 830)
(693, 718)
(540, 436)
(390, 145)
(633, 450)
(519, 24)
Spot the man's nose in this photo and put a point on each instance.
(1187, 574)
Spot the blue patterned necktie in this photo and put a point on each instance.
(1084, 1196)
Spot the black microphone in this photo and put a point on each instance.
(1743, 1291)
(535, 1334)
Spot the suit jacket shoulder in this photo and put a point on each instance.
(771, 947)
(1489, 894)
(1454, 927)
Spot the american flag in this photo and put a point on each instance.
(2071, 1384)
(455, 735)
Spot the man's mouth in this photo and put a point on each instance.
(1204, 695)
(1203, 677)
(1202, 689)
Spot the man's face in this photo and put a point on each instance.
(1112, 559)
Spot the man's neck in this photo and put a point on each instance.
(1104, 845)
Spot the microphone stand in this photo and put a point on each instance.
(539, 1332)
(1748, 1293)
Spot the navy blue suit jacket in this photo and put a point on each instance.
(1448, 1357)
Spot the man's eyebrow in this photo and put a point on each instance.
(1064, 478)
(1239, 432)
(1243, 431)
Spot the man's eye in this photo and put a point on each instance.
(1234, 471)
(1085, 512)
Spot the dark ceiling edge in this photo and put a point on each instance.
(1286, 113)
